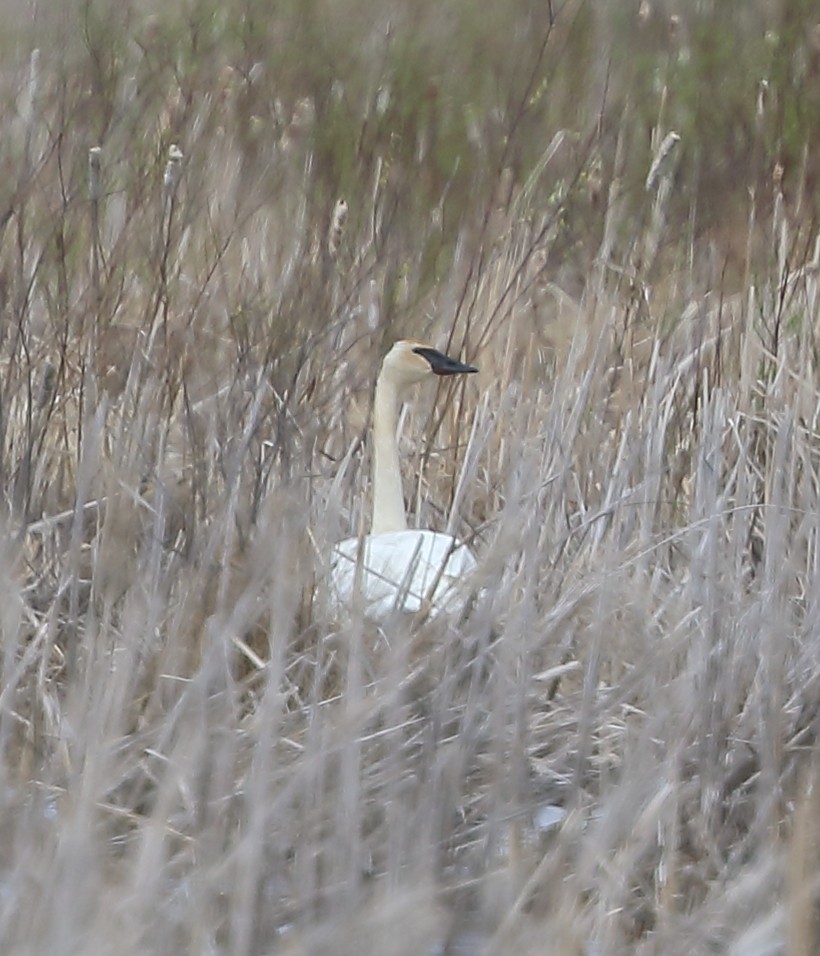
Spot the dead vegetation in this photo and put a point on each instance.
(614, 748)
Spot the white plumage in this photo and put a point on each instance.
(394, 568)
(402, 569)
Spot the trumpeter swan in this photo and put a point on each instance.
(400, 568)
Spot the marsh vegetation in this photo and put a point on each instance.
(611, 210)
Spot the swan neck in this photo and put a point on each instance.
(388, 497)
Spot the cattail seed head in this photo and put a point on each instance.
(94, 165)
(382, 100)
(660, 165)
(762, 98)
(28, 101)
(337, 227)
(172, 168)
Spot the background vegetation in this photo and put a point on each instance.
(614, 748)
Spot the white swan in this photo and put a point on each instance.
(394, 568)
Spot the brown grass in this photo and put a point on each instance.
(614, 748)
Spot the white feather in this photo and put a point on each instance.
(400, 570)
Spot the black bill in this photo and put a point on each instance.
(442, 364)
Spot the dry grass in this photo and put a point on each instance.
(198, 753)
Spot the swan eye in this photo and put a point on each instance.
(442, 364)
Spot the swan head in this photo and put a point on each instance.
(411, 361)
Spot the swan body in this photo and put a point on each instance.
(394, 568)
(401, 570)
